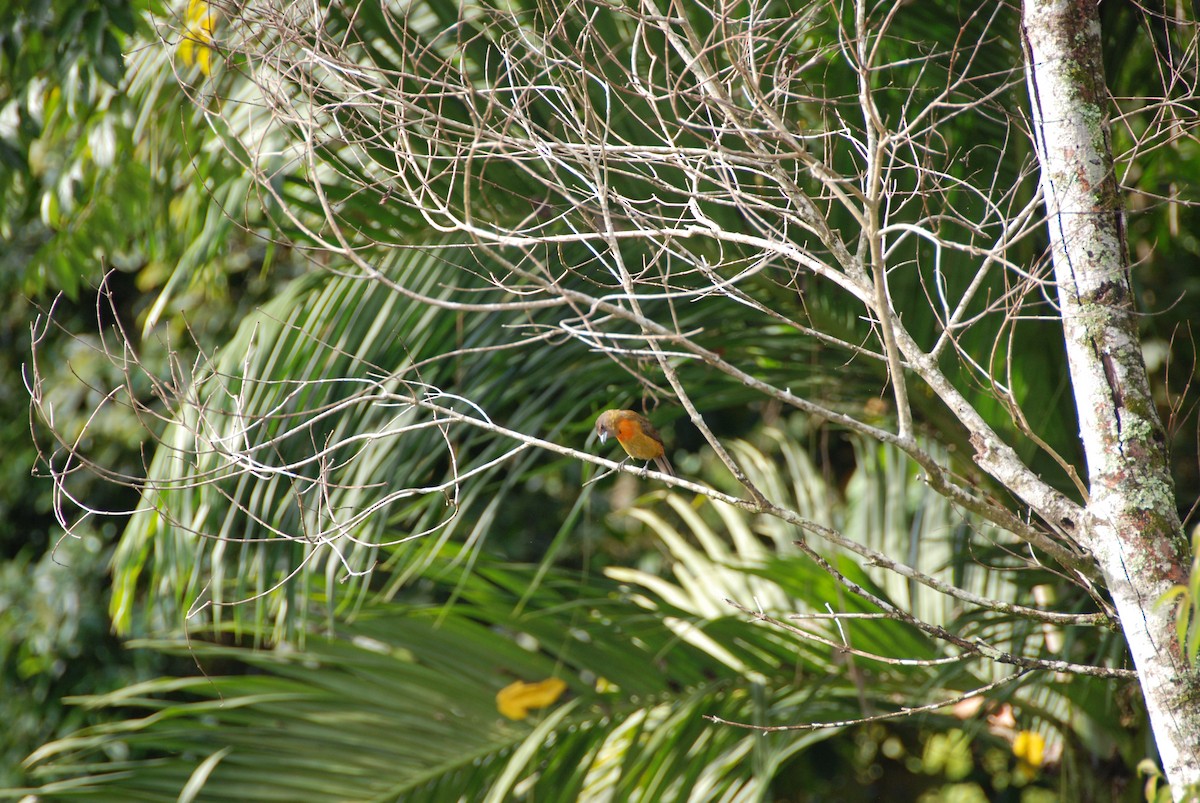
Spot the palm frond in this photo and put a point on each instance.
(403, 703)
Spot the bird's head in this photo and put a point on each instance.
(606, 425)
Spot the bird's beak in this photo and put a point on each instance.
(603, 437)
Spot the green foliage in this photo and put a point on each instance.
(56, 644)
(97, 171)
(1154, 790)
(103, 162)
(400, 700)
(63, 67)
(949, 754)
(330, 364)
(1155, 160)
(402, 703)
(1186, 599)
(66, 41)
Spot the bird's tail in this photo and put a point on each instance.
(664, 465)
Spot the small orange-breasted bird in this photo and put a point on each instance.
(637, 437)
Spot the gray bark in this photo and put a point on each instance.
(1131, 525)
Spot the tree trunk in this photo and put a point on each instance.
(1132, 527)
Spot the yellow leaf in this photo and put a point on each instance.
(199, 17)
(187, 51)
(515, 699)
(1029, 748)
(195, 46)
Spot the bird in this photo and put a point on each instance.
(637, 437)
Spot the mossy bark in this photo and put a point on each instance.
(1131, 526)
